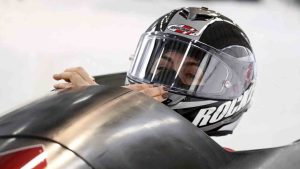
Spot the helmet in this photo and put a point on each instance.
(206, 62)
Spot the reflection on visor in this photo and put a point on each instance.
(181, 66)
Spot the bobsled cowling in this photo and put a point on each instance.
(114, 127)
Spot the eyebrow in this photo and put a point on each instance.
(190, 64)
(167, 58)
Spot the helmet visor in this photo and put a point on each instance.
(186, 67)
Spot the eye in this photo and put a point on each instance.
(160, 68)
(167, 58)
(164, 64)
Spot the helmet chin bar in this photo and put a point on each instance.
(174, 99)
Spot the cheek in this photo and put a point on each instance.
(164, 64)
(190, 72)
(187, 76)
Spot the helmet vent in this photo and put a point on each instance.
(202, 17)
(184, 13)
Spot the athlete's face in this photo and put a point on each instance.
(187, 67)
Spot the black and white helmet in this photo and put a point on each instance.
(206, 62)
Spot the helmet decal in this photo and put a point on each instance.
(184, 29)
(211, 115)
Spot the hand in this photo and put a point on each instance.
(74, 77)
(158, 93)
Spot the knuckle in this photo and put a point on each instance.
(162, 90)
(157, 90)
(68, 69)
(72, 75)
(79, 68)
(146, 92)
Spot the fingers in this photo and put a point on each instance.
(161, 98)
(154, 91)
(62, 86)
(71, 77)
(158, 93)
(75, 77)
(138, 87)
(82, 73)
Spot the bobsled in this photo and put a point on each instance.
(111, 127)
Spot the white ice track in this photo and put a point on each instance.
(40, 38)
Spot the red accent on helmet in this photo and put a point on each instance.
(179, 31)
(228, 149)
(188, 27)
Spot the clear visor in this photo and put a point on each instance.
(190, 68)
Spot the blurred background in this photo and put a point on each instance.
(41, 37)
